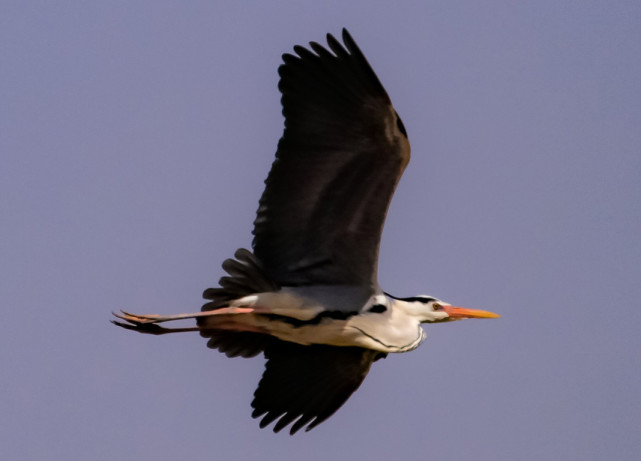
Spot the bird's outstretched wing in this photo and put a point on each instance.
(305, 385)
(341, 156)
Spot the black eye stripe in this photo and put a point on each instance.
(420, 299)
(377, 309)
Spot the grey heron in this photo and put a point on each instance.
(307, 296)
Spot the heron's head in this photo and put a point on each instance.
(433, 310)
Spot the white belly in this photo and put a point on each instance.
(297, 319)
(385, 333)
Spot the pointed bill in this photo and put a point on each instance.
(465, 313)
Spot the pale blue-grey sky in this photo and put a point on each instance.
(135, 138)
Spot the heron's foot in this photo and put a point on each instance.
(147, 324)
(141, 319)
(148, 328)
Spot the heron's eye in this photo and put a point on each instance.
(437, 307)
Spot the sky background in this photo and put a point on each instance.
(135, 138)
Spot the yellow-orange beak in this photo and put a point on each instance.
(464, 313)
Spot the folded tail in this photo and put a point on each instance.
(245, 277)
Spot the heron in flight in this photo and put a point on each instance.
(307, 296)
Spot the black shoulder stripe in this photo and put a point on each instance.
(297, 323)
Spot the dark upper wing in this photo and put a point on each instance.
(308, 383)
(342, 153)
